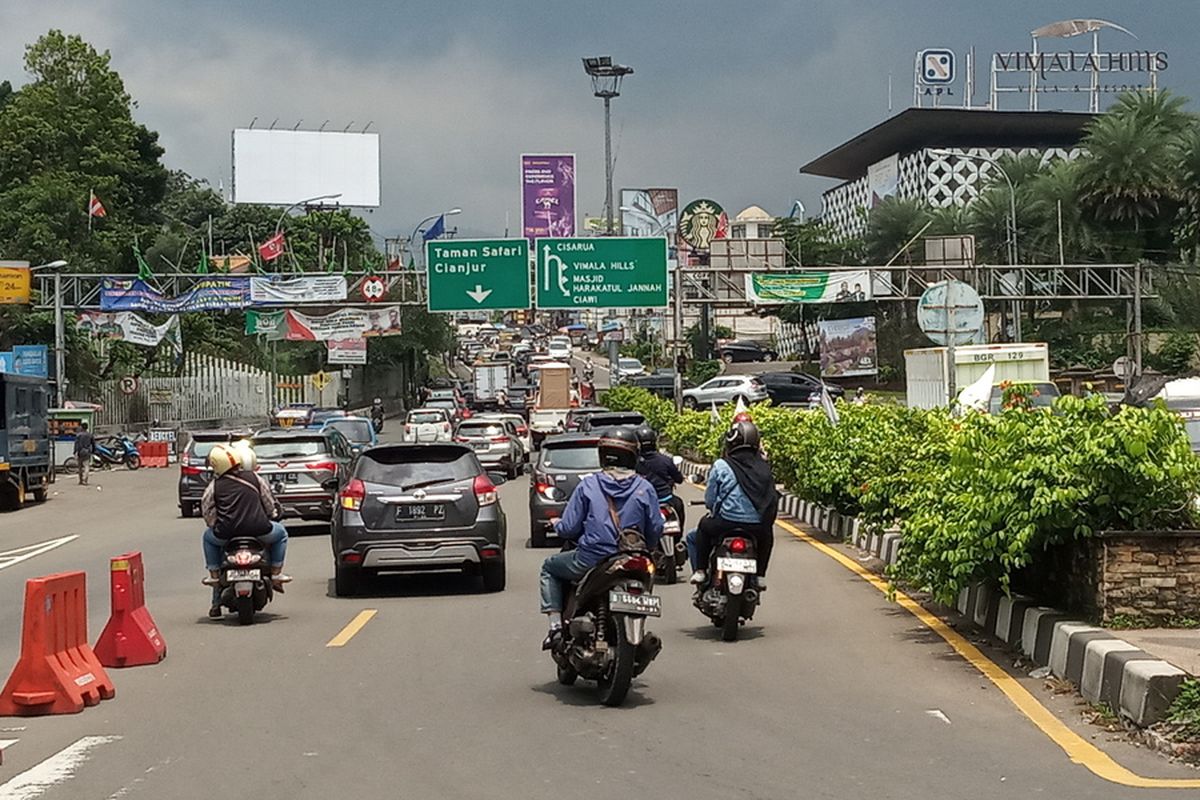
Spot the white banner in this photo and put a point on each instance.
(349, 323)
(347, 351)
(129, 327)
(304, 289)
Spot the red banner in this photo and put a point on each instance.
(272, 248)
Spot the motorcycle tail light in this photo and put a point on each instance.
(639, 564)
(634, 588)
(242, 557)
(353, 495)
(737, 545)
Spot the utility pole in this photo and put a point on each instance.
(60, 345)
(677, 310)
(606, 84)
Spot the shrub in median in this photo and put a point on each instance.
(977, 497)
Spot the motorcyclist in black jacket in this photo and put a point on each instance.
(659, 469)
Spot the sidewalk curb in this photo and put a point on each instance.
(1103, 667)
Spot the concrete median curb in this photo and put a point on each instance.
(1103, 667)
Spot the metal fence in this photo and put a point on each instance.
(209, 388)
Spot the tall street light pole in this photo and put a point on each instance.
(412, 240)
(606, 84)
(60, 334)
(298, 203)
(1012, 221)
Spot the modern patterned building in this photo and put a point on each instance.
(899, 157)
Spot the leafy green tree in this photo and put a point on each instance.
(814, 243)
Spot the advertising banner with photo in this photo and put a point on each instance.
(295, 291)
(126, 326)
(349, 323)
(650, 212)
(848, 347)
(207, 294)
(774, 288)
(347, 351)
(883, 180)
(547, 196)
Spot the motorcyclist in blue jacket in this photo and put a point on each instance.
(587, 521)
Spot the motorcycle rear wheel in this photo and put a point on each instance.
(729, 627)
(615, 686)
(245, 610)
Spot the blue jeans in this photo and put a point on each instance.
(693, 552)
(556, 570)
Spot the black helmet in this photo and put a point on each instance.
(742, 435)
(619, 448)
(647, 438)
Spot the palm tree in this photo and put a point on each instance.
(891, 226)
(1055, 188)
(1187, 223)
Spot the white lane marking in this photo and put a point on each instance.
(7, 743)
(58, 768)
(936, 713)
(10, 557)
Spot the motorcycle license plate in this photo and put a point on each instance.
(421, 511)
(647, 604)
(746, 565)
(671, 527)
(243, 575)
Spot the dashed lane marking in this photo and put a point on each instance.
(1078, 749)
(353, 627)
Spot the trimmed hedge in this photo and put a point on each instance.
(977, 497)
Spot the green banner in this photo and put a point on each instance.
(842, 286)
(266, 323)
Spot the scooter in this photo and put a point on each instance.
(119, 450)
(671, 554)
(731, 595)
(245, 580)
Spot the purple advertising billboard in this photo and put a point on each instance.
(547, 195)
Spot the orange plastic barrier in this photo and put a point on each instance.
(57, 672)
(154, 454)
(130, 639)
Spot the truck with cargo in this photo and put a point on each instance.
(549, 413)
(928, 370)
(26, 468)
(490, 380)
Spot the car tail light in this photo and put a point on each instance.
(500, 439)
(446, 427)
(737, 545)
(352, 558)
(466, 413)
(187, 469)
(462, 439)
(322, 466)
(485, 490)
(353, 495)
(408, 428)
(756, 383)
(490, 551)
(522, 430)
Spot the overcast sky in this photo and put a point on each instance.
(728, 100)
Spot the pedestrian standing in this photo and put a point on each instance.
(85, 447)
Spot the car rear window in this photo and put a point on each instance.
(270, 449)
(481, 429)
(585, 455)
(448, 405)
(426, 417)
(202, 449)
(356, 430)
(613, 420)
(409, 466)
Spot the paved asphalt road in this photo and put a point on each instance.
(445, 694)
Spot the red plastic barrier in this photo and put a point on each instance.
(57, 672)
(130, 639)
(154, 454)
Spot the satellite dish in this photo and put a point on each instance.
(951, 311)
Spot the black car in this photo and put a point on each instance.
(576, 416)
(796, 388)
(561, 463)
(745, 350)
(661, 383)
(418, 507)
(194, 474)
(599, 423)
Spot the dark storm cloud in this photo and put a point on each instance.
(727, 101)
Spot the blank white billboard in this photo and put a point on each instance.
(285, 167)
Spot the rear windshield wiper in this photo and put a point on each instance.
(290, 455)
(424, 483)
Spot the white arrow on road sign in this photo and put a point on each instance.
(480, 294)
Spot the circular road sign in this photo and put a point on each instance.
(1123, 367)
(951, 310)
(128, 384)
(373, 288)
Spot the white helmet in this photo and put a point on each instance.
(246, 455)
(223, 458)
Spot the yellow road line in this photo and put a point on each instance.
(354, 626)
(1078, 749)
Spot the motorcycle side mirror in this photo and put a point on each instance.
(330, 485)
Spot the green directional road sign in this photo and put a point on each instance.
(474, 274)
(602, 272)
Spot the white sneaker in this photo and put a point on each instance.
(698, 577)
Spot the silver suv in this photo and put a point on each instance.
(725, 389)
(301, 466)
(496, 443)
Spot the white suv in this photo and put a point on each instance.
(725, 389)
